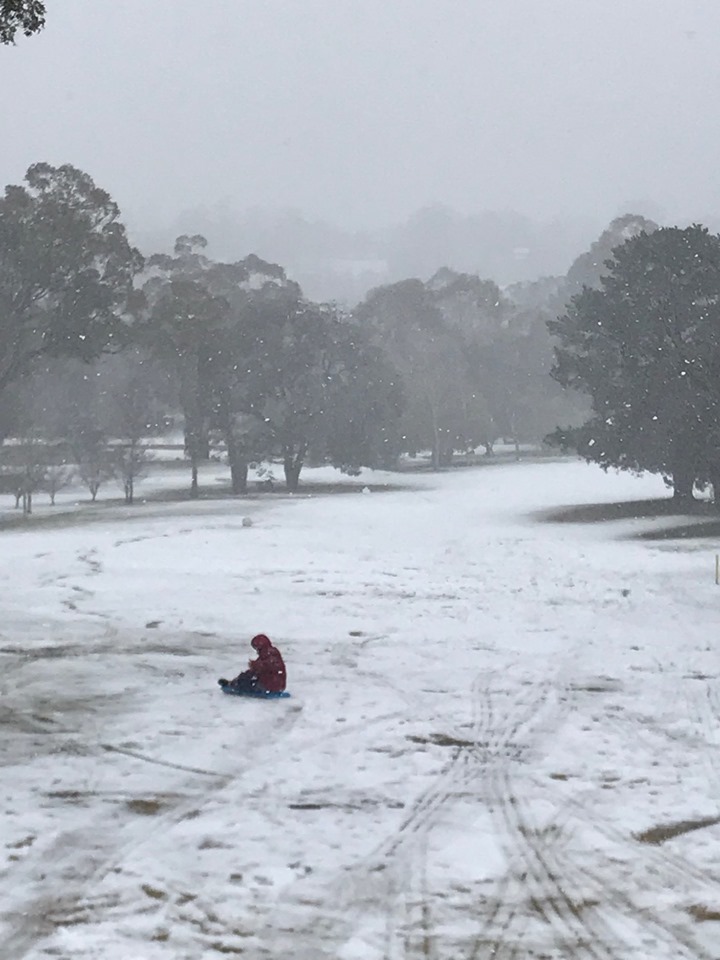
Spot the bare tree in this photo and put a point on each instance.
(130, 465)
(92, 458)
(57, 477)
(133, 414)
(30, 457)
(11, 481)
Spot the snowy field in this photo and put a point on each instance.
(503, 739)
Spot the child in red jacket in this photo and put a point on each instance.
(265, 674)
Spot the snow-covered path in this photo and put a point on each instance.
(488, 713)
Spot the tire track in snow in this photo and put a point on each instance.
(499, 740)
(549, 876)
(77, 874)
(583, 920)
(676, 938)
(542, 881)
(460, 771)
(24, 935)
(531, 877)
(662, 858)
(395, 873)
(657, 862)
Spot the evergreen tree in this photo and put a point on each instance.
(646, 348)
(66, 269)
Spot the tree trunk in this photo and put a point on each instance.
(514, 432)
(292, 465)
(193, 450)
(197, 445)
(197, 438)
(435, 450)
(683, 482)
(238, 462)
(292, 474)
(203, 444)
(435, 455)
(715, 481)
(238, 475)
(445, 456)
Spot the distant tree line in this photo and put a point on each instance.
(445, 365)
(99, 347)
(102, 348)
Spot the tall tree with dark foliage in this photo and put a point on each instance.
(645, 346)
(66, 269)
(20, 16)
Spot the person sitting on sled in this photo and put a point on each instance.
(265, 674)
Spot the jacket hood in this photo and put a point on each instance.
(261, 643)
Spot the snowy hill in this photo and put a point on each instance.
(502, 738)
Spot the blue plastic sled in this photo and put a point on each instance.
(255, 694)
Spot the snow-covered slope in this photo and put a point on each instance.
(488, 713)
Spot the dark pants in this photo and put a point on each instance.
(245, 682)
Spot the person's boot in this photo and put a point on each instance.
(223, 682)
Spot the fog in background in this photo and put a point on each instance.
(360, 141)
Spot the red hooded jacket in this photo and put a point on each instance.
(269, 667)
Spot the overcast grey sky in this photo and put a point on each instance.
(361, 111)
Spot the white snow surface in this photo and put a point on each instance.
(487, 712)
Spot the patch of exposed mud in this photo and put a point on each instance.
(442, 740)
(666, 831)
(147, 806)
(704, 914)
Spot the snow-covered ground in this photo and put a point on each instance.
(488, 713)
